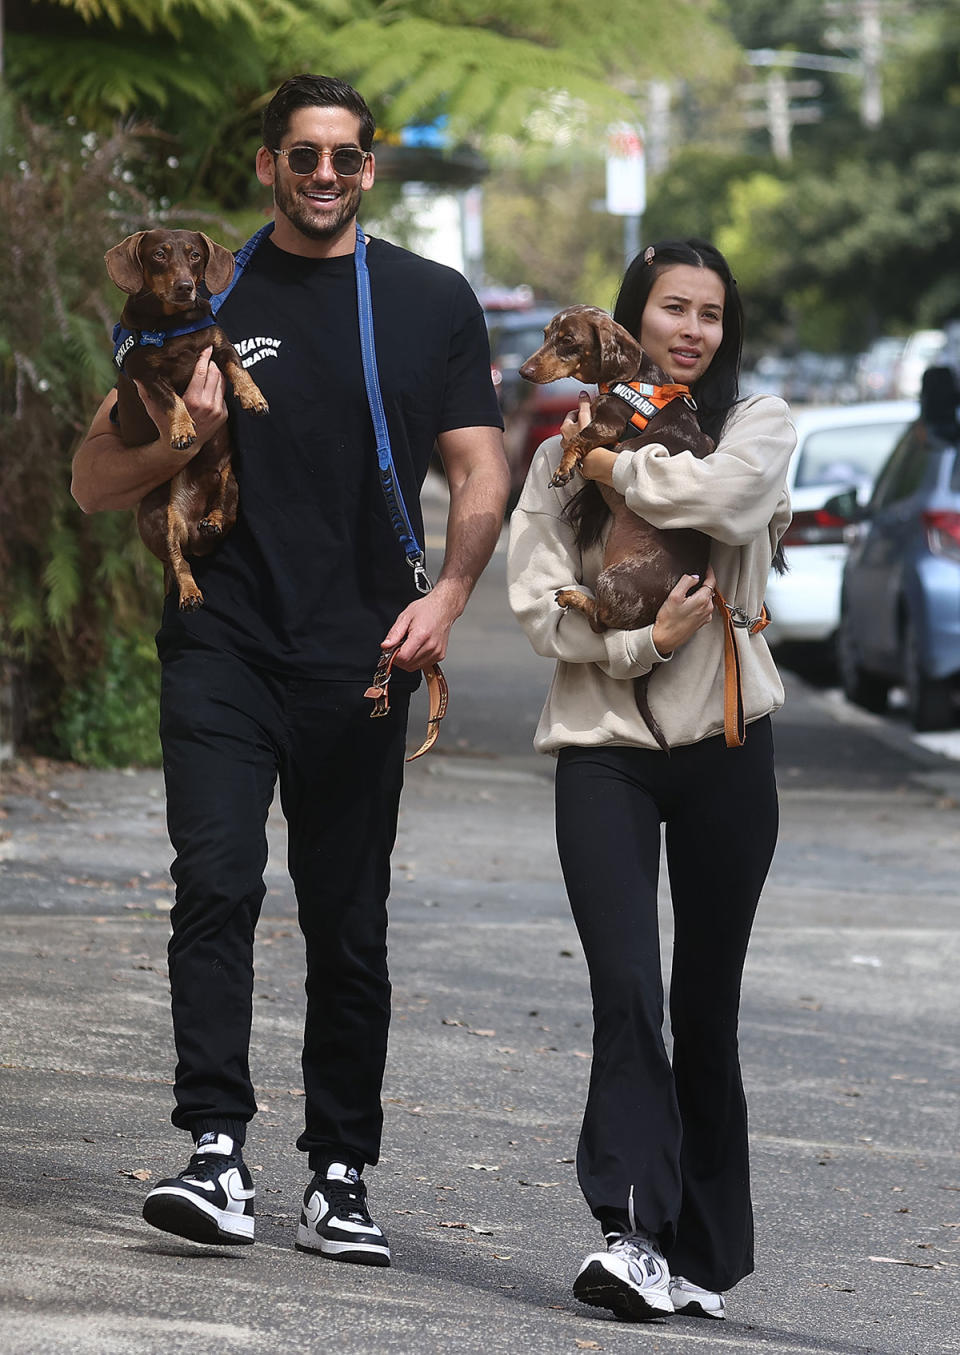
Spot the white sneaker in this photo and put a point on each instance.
(630, 1278)
(693, 1301)
(210, 1201)
(335, 1221)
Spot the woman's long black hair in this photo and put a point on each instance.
(717, 391)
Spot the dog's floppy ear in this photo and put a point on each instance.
(620, 353)
(219, 270)
(124, 266)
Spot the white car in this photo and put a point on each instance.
(838, 447)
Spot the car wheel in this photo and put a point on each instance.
(862, 688)
(929, 699)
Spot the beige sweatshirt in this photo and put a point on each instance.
(737, 496)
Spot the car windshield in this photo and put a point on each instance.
(848, 455)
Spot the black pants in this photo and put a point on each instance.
(228, 731)
(663, 1149)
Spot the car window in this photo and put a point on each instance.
(903, 474)
(509, 348)
(846, 455)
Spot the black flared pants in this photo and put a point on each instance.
(663, 1148)
(229, 732)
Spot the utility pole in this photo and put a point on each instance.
(867, 40)
(659, 99)
(778, 113)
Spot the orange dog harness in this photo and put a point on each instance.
(645, 400)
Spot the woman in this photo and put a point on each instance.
(662, 1159)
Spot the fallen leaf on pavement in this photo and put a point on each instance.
(482, 1167)
(141, 1174)
(470, 1227)
(544, 1185)
(896, 1261)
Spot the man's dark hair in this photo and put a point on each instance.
(314, 91)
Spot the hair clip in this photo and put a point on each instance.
(649, 254)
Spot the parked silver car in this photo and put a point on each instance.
(838, 447)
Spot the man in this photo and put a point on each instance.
(266, 681)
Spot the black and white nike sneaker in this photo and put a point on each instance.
(334, 1220)
(210, 1201)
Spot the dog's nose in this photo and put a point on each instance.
(183, 289)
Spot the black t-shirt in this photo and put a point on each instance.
(312, 576)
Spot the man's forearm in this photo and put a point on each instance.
(109, 475)
(474, 523)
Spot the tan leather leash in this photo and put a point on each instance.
(735, 618)
(436, 686)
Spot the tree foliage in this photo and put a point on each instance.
(66, 581)
(133, 111)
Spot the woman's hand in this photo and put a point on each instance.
(599, 462)
(681, 616)
(203, 398)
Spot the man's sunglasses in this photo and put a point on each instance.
(346, 160)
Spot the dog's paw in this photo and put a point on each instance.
(181, 441)
(559, 478)
(563, 597)
(208, 527)
(191, 601)
(257, 406)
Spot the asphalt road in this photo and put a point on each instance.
(850, 1037)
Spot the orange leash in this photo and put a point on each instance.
(436, 686)
(734, 619)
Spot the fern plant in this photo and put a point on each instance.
(67, 583)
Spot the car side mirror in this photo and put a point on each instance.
(939, 397)
(845, 505)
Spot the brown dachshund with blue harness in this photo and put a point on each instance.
(164, 327)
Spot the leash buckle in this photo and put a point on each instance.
(377, 691)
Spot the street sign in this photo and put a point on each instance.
(626, 170)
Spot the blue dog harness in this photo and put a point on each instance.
(126, 339)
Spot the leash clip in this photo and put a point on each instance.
(421, 579)
(739, 618)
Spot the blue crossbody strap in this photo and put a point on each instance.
(242, 257)
(389, 480)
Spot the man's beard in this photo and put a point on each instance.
(291, 204)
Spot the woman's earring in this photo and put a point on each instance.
(649, 254)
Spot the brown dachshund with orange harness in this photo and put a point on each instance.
(164, 327)
(641, 563)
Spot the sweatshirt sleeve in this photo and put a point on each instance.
(733, 494)
(543, 557)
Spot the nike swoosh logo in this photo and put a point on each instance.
(315, 1207)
